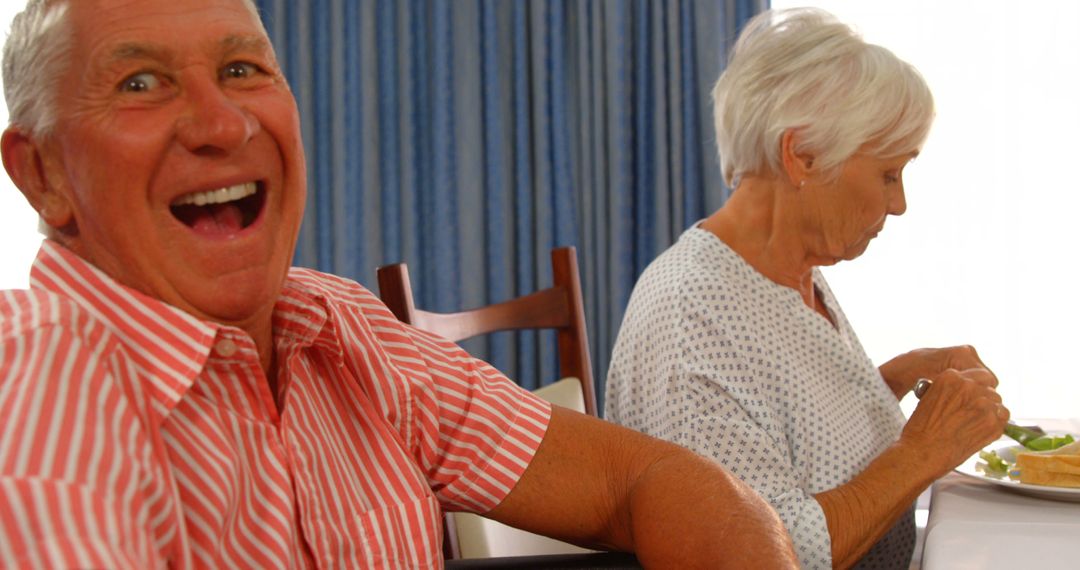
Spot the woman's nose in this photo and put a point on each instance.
(898, 202)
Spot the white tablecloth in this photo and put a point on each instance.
(977, 525)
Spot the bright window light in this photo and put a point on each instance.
(19, 237)
(984, 255)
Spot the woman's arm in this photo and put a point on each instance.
(595, 483)
(959, 415)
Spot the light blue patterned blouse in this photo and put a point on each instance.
(716, 357)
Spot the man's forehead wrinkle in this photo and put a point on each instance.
(128, 51)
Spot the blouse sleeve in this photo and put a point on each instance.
(716, 425)
(689, 377)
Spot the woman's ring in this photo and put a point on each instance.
(922, 386)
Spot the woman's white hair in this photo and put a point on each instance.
(35, 56)
(802, 69)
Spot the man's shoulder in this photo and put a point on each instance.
(44, 335)
(23, 311)
(338, 292)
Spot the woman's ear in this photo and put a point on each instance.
(25, 161)
(798, 166)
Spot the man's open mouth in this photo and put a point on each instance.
(221, 211)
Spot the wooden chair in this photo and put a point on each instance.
(558, 307)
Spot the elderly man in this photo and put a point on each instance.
(173, 394)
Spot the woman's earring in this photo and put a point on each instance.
(802, 184)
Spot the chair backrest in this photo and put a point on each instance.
(558, 307)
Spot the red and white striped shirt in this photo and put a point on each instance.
(133, 435)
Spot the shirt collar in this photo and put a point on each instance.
(167, 344)
(305, 316)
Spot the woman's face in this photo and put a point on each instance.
(853, 207)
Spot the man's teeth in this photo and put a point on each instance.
(219, 196)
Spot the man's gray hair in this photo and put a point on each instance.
(35, 54)
(35, 57)
(802, 69)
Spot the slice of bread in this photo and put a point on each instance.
(1059, 467)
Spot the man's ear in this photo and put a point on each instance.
(798, 166)
(25, 163)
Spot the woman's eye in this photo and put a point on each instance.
(140, 83)
(239, 70)
(891, 178)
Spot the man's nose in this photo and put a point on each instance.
(213, 123)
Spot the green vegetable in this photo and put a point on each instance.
(1036, 440)
(1022, 434)
(1048, 442)
(994, 462)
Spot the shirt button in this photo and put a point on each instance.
(225, 348)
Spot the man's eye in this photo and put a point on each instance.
(239, 70)
(140, 83)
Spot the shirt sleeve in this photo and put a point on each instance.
(71, 485)
(477, 430)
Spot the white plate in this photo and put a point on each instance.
(976, 468)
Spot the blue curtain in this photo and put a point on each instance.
(469, 137)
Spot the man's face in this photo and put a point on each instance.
(178, 146)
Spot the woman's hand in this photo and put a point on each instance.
(902, 372)
(957, 416)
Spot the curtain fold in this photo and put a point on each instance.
(468, 138)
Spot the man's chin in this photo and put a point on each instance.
(238, 306)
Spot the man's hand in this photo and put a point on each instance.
(601, 485)
(901, 373)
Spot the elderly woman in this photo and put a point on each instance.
(734, 346)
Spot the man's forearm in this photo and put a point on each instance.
(715, 521)
(596, 483)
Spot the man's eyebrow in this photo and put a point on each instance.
(130, 51)
(245, 43)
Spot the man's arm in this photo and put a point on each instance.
(595, 483)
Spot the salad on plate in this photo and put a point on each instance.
(1037, 459)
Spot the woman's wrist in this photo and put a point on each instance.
(916, 455)
(859, 512)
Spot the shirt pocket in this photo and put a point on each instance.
(401, 535)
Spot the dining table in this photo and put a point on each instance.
(977, 523)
